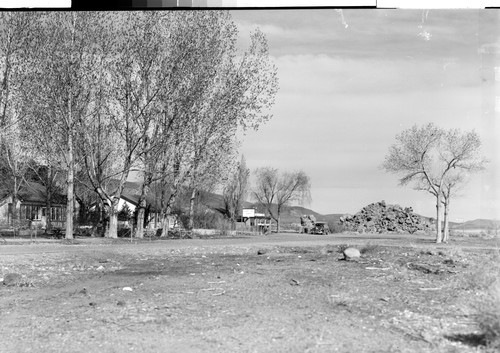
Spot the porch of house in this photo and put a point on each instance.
(35, 216)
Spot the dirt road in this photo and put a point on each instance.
(40, 246)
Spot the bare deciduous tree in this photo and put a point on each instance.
(16, 44)
(62, 74)
(435, 160)
(274, 190)
(236, 190)
(132, 76)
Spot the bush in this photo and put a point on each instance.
(149, 233)
(335, 226)
(223, 226)
(124, 233)
(293, 227)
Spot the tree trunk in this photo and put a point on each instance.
(191, 209)
(48, 206)
(70, 190)
(141, 206)
(164, 224)
(113, 226)
(141, 210)
(102, 219)
(83, 211)
(163, 213)
(439, 235)
(112, 230)
(98, 224)
(15, 210)
(446, 234)
(96, 221)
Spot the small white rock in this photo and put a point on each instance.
(351, 253)
(128, 289)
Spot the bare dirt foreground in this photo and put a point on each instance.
(282, 293)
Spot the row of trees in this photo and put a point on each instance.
(97, 96)
(273, 190)
(438, 161)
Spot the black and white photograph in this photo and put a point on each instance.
(220, 176)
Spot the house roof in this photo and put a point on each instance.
(132, 192)
(32, 192)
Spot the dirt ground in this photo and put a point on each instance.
(280, 293)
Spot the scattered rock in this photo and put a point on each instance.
(380, 218)
(425, 268)
(294, 282)
(351, 254)
(12, 279)
(120, 303)
(127, 289)
(449, 262)
(261, 251)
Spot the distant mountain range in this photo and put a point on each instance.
(292, 214)
(476, 224)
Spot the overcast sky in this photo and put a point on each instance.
(351, 80)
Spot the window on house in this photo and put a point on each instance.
(35, 212)
(29, 212)
(57, 213)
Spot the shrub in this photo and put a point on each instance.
(149, 233)
(223, 226)
(293, 227)
(335, 226)
(124, 233)
(206, 219)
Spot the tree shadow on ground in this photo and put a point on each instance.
(469, 339)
